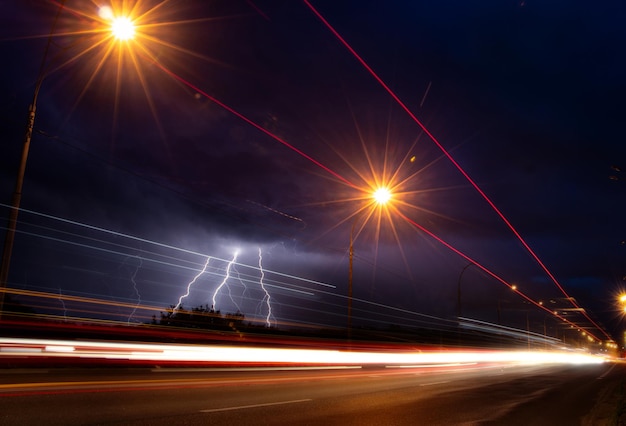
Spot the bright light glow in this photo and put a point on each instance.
(622, 298)
(123, 28)
(382, 195)
(60, 349)
(105, 12)
(10, 347)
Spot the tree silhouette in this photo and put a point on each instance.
(200, 317)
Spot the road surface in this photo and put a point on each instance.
(480, 394)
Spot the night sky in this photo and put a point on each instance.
(136, 175)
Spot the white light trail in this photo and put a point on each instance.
(267, 298)
(134, 238)
(11, 347)
(180, 299)
(219, 287)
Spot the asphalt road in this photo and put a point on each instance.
(455, 395)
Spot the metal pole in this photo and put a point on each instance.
(458, 301)
(528, 329)
(351, 256)
(17, 193)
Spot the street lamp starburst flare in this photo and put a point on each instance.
(382, 195)
(123, 28)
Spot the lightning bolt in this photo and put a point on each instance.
(267, 298)
(245, 287)
(63, 304)
(219, 287)
(136, 290)
(180, 299)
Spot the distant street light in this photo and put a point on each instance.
(121, 29)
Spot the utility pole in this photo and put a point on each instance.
(17, 193)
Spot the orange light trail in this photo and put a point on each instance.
(452, 160)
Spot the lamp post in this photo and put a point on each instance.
(350, 256)
(122, 30)
(19, 182)
(458, 294)
(380, 196)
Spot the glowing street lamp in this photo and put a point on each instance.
(382, 195)
(122, 29)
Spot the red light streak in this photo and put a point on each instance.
(453, 161)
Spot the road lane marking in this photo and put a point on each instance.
(242, 407)
(245, 369)
(606, 372)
